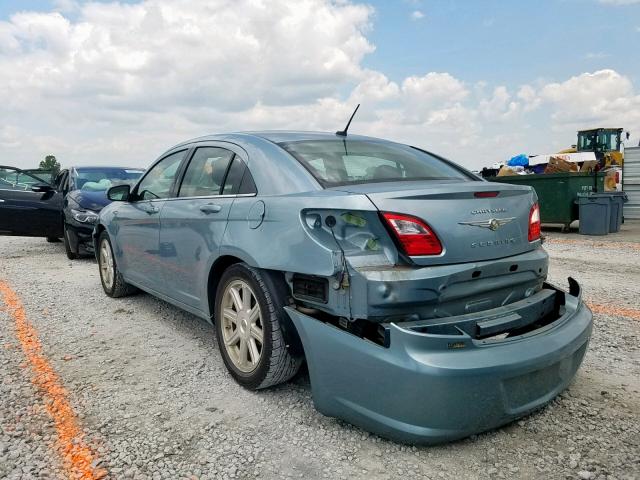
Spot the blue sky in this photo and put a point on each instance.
(512, 42)
(475, 81)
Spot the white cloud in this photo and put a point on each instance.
(119, 83)
(529, 98)
(596, 55)
(620, 2)
(66, 6)
(501, 105)
(594, 99)
(417, 15)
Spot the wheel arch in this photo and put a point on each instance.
(96, 236)
(275, 281)
(215, 272)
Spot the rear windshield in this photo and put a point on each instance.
(344, 162)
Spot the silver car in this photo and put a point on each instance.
(415, 291)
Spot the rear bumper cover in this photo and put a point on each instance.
(428, 388)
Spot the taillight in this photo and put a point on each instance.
(415, 236)
(534, 223)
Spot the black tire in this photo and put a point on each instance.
(277, 363)
(53, 239)
(71, 255)
(117, 287)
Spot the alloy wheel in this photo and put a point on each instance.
(107, 267)
(242, 328)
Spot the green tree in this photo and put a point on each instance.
(50, 163)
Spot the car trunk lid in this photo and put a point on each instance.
(474, 220)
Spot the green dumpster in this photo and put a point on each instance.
(558, 192)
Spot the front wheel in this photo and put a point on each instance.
(112, 281)
(248, 318)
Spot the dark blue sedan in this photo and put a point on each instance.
(86, 194)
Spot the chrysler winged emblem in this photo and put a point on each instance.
(492, 224)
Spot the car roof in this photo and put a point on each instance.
(278, 136)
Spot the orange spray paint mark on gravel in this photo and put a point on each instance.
(78, 459)
(613, 310)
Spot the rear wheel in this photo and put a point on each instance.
(71, 255)
(112, 281)
(53, 239)
(248, 317)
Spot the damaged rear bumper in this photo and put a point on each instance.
(442, 379)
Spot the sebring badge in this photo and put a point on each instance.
(492, 224)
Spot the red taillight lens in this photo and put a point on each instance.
(415, 236)
(534, 223)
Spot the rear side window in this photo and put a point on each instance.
(206, 172)
(344, 162)
(239, 179)
(158, 181)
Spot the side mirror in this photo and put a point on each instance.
(119, 193)
(41, 188)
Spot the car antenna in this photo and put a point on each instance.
(343, 133)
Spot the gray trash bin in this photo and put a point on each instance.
(594, 213)
(618, 199)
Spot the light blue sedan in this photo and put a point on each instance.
(415, 291)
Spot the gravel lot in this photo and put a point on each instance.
(155, 401)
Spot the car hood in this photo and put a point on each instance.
(90, 200)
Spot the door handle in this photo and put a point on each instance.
(1, 200)
(151, 210)
(210, 208)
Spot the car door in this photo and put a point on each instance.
(24, 211)
(138, 223)
(193, 223)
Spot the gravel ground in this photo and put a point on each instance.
(150, 389)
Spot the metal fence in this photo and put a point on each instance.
(631, 182)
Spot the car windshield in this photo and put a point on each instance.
(344, 162)
(100, 179)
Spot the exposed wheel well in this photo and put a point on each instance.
(219, 266)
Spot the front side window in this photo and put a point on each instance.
(158, 181)
(344, 162)
(206, 172)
